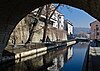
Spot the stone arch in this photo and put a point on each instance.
(11, 12)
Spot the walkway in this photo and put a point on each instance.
(94, 59)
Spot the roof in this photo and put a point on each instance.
(68, 22)
(94, 22)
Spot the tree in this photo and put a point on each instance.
(48, 17)
(31, 33)
(33, 24)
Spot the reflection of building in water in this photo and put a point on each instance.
(57, 63)
(52, 60)
(70, 52)
(54, 66)
(61, 61)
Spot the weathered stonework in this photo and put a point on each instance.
(11, 12)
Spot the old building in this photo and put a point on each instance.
(57, 22)
(57, 18)
(68, 26)
(95, 30)
(55, 31)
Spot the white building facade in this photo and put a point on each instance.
(69, 27)
(57, 18)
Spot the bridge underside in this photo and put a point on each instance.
(12, 11)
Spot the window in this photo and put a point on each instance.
(97, 33)
(96, 25)
(61, 25)
(59, 17)
(59, 21)
(97, 28)
(54, 18)
(55, 14)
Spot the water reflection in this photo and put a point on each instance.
(52, 60)
(57, 63)
(77, 61)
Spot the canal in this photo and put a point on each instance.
(58, 59)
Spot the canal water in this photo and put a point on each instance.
(51, 60)
(78, 62)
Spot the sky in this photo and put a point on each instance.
(78, 17)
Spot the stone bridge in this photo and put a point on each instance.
(12, 11)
